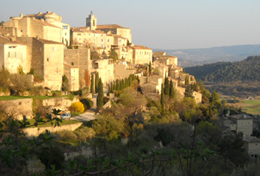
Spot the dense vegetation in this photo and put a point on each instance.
(238, 78)
(246, 70)
(136, 136)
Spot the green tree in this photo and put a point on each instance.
(162, 98)
(166, 86)
(96, 81)
(189, 91)
(113, 55)
(92, 87)
(172, 90)
(100, 95)
(65, 83)
(150, 68)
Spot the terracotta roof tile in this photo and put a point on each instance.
(141, 47)
(109, 26)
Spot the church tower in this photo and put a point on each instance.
(91, 21)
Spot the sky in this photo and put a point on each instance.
(164, 24)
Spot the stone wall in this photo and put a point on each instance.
(59, 101)
(18, 108)
(31, 132)
(79, 58)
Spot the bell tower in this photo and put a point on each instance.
(91, 21)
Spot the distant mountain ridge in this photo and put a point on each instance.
(247, 70)
(193, 57)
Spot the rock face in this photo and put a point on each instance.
(17, 108)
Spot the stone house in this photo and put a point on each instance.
(80, 58)
(47, 62)
(141, 55)
(13, 55)
(72, 73)
(242, 123)
(252, 145)
(27, 26)
(105, 68)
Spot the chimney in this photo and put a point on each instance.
(21, 15)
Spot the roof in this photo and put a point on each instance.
(86, 29)
(46, 23)
(159, 53)
(140, 47)
(241, 117)
(6, 40)
(251, 139)
(49, 42)
(109, 26)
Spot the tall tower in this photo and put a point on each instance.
(91, 21)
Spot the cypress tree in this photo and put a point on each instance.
(162, 98)
(111, 87)
(150, 68)
(96, 81)
(117, 84)
(92, 84)
(172, 90)
(100, 95)
(108, 90)
(166, 86)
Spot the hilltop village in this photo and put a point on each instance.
(88, 101)
(45, 46)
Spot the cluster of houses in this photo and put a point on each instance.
(246, 124)
(41, 43)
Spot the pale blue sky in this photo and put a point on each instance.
(164, 24)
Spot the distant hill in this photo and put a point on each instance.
(247, 70)
(193, 57)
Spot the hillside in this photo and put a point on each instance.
(226, 72)
(193, 57)
(230, 78)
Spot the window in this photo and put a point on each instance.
(48, 59)
(108, 40)
(101, 40)
(65, 27)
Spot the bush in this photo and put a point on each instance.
(87, 103)
(77, 107)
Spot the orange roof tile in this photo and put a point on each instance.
(140, 47)
(109, 26)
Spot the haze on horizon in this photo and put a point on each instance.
(165, 24)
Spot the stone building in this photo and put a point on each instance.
(80, 58)
(142, 55)
(46, 26)
(242, 123)
(105, 68)
(47, 62)
(13, 55)
(32, 27)
(72, 73)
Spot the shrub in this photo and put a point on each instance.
(77, 107)
(87, 103)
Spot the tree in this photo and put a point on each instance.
(113, 55)
(2, 23)
(92, 87)
(162, 98)
(19, 83)
(166, 86)
(96, 81)
(65, 83)
(100, 95)
(172, 90)
(189, 91)
(187, 80)
(150, 68)
(94, 55)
